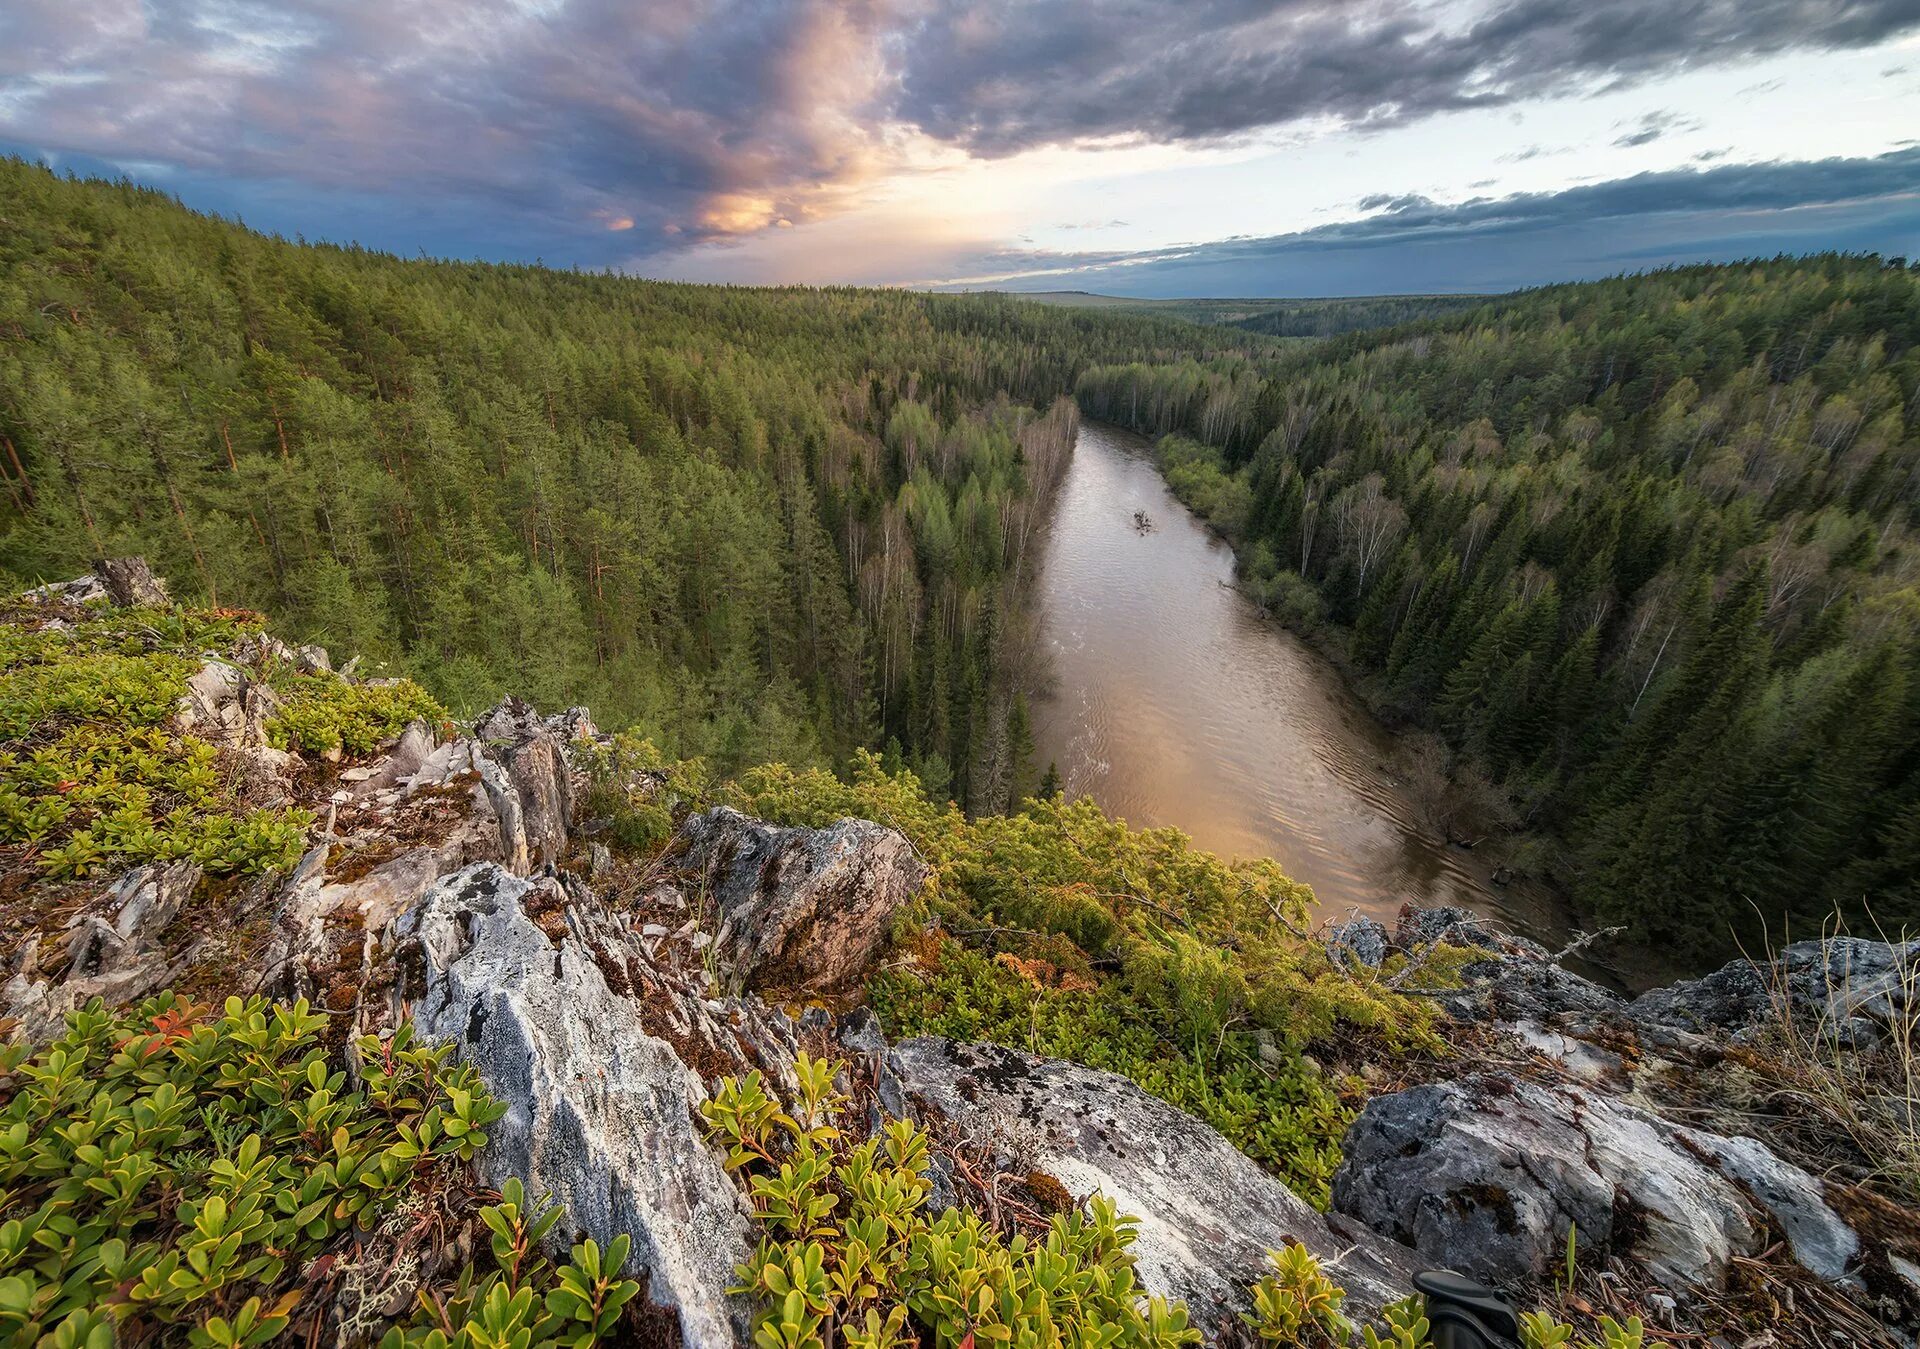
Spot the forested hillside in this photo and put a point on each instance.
(761, 524)
(1642, 549)
(1330, 318)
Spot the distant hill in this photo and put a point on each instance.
(1324, 316)
(1206, 311)
(1330, 318)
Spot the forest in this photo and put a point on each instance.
(761, 524)
(1329, 318)
(1642, 550)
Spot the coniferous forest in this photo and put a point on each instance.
(1641, 550)
(763, 524)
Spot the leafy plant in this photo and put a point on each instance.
(1298, 1304)
(850, 1253)
(525, 1303)
(324, 714)
(94, 778)
(169, 1167)
(1541, 1330)
(1403, 1326)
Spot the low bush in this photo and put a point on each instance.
(93, 777)
(167, 1175)
(636, 789)
(324, 714)
(849, 1253)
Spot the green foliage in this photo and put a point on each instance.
(638, 789)
(1211, 966)
(168, 1172)
(169, 1169)
(525, 1302)
(92, 776)
(1540, 1330)
(1288, 1118)
(850, 1253)
(324, 714)
(1298, 1304)
(1636, 547)
(1403, 1326)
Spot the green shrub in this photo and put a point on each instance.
(1298, 1303)
(93, 779)
(1288, 1118)
(322, 713)
(170, 1170)
(582, 1302)
(637, 788)
(849, 1253)
(167, 1175)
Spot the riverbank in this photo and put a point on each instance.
(1514, 864)
(1171, 701)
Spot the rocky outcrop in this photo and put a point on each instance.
(1487, 1174)
(1847, 983)
(601, 1111)
(130, 581)
(113, 951)
(121, 581)
(802, 910)
(533, 752)
(1208, 1215)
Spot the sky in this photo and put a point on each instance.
(1137, 147)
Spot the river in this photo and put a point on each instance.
(1172, 701)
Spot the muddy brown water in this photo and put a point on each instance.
(1172, 701)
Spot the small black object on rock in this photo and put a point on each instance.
(1462, 1314)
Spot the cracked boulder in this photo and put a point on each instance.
(801, 910)
(601, 1111)
(533, 752)
(1485, 1175)
(113, 950)
(1208, 1215)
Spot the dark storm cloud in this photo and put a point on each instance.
(1409, 242)
(673, 120)
(1004, 75)
(601, 129)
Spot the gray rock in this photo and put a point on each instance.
(1207, 1214)
(1486, 1174)
(130, 581)
(1519, 988)
(800, 909)
(1835, 980)
(533, 751)
(1417, 926)
(601, 1112)
(113, 951)
(88, 589)
(1361, 941)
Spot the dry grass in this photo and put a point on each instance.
(1862, 1091)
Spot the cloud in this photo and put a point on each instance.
(712, 117)
(1003, 75)
(1654, 125)
(511, 125)
(1410, 243)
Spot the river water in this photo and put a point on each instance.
(1172, 701)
